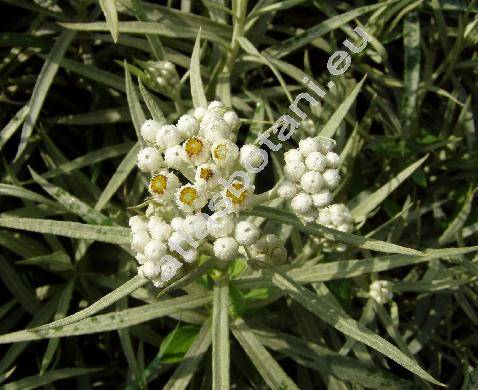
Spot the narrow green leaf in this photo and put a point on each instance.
(38, 381)
(193, 357)
(220, 334)
(111, 234)
(111, 14)
(153, 107)
(118, 178)
(359, 212)
(111, 321)
(71, 203)
(197, 89)
(332, 234)
(23, 293)
(333, 123)
(110, 298)
(137, 114)
(347, 325)
(53, 344)
(12, 126)
(271, 371)
(42, 86)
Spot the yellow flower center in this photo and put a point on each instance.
(188, 195)
(206, 173)
(220, 152)
(243, 194)
(193, 146)
(158, 184)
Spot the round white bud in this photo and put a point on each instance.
(287, 190)
(301, 203)
(326, 145)
(232, 120)
(140, 239)
(159, 229)
(322, 198)
(199, 113)
(215, 105)
(311, 182)
(251, 156)
(173, 157)
(293, 155)
(196, 226)
(316, 161)
(169, 268)
(155, 250)
(151, 269)
(331, 178)
(308, 145)
(167, 137)
(333, 160)
(293, 170)
(149, 159)
(149, 129)
(177, 224)
(137, 223)
(187, 126)
(246, 233)
(225, 248)
(220, 226)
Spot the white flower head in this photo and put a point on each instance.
(215, 106)
(163, 185)
(232, 120)
(287, 190)
(308, 145)
(301, 203)
(381, 291)
(220, 226)
(196, 226)
(149, 130)
(155, 250)
(199, 113)
(187, 126)
(252, 156)
(316, 161)
(322, 198)
(293, 155)
(167, 137)
(138, 223)
(177, 224)
(191, 198)
(293, 170)
(149, 159)
(331, 178)
(140, 239)
(246, 233)
(326, 145)
(224, 153)
(150, 269)
(333, 160)
(215, 129)
(169, 268)
(238, 196)
(225, 248)
(207, 175)
(311, 182)
(174, 157)
(159, 229)
(196, 150)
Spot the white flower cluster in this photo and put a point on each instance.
(151, 242)
(381, 291)
(311, 173)
(201, 146)
(336, 216)
(162, 74)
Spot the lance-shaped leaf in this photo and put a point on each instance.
(197, 89)
(322, 308)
